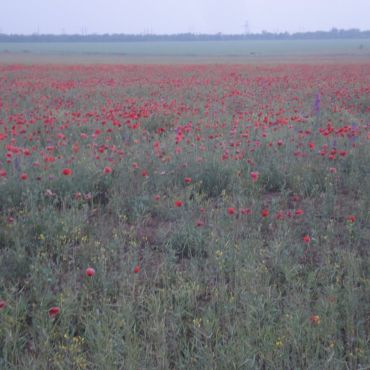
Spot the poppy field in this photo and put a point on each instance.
(185, 216)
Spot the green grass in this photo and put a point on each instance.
(281, 48)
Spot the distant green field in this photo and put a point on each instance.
(236, 52)
(263, 48)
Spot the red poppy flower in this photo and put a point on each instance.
(108, 170)
(187, 180)
(231, 210)
(299, 212)
(3, 173)
(67, 172)
(254, 175)
(265, 213)
(89, 271)
(23, 176)
(307, 239)
(245, 211)
(136, 269)
(179, 203)
(351, 218)
(54, 311)
(3, 304)
(280, 215)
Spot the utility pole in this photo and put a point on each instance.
(246, 28)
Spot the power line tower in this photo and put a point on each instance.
(246, 28)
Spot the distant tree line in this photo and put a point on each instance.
(316, 35)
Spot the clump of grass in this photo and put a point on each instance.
(187, 242)
(213, 178)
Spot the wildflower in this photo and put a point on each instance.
(75, 148)
(3, 304)
(187, 180)
(157, 197)
(280, 215)
(219, 253)
(179, 203)
(144, 173)
(245, 211)
(315, 319)
(299, 212)
(351, 218)
(134, 165)
(3, 173)
(67, 172)
(87, 196)
(107, 170)
(23, 176)
(160, 130)
(254, 175)
(49, 193)
(10, 220)
(231, 210)
(197, 322)
(332, 170)
(136, 269)
(307, 239)
(265, 213)
(279, 343)
(199, 223)
(49, 159)
(89, 271)
(54, 311)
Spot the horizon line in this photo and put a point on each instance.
(261, 33)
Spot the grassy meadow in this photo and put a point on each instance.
(188, 216)
(187, 52)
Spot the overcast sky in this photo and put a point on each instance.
(176, 16)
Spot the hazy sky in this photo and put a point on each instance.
(175, 16)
